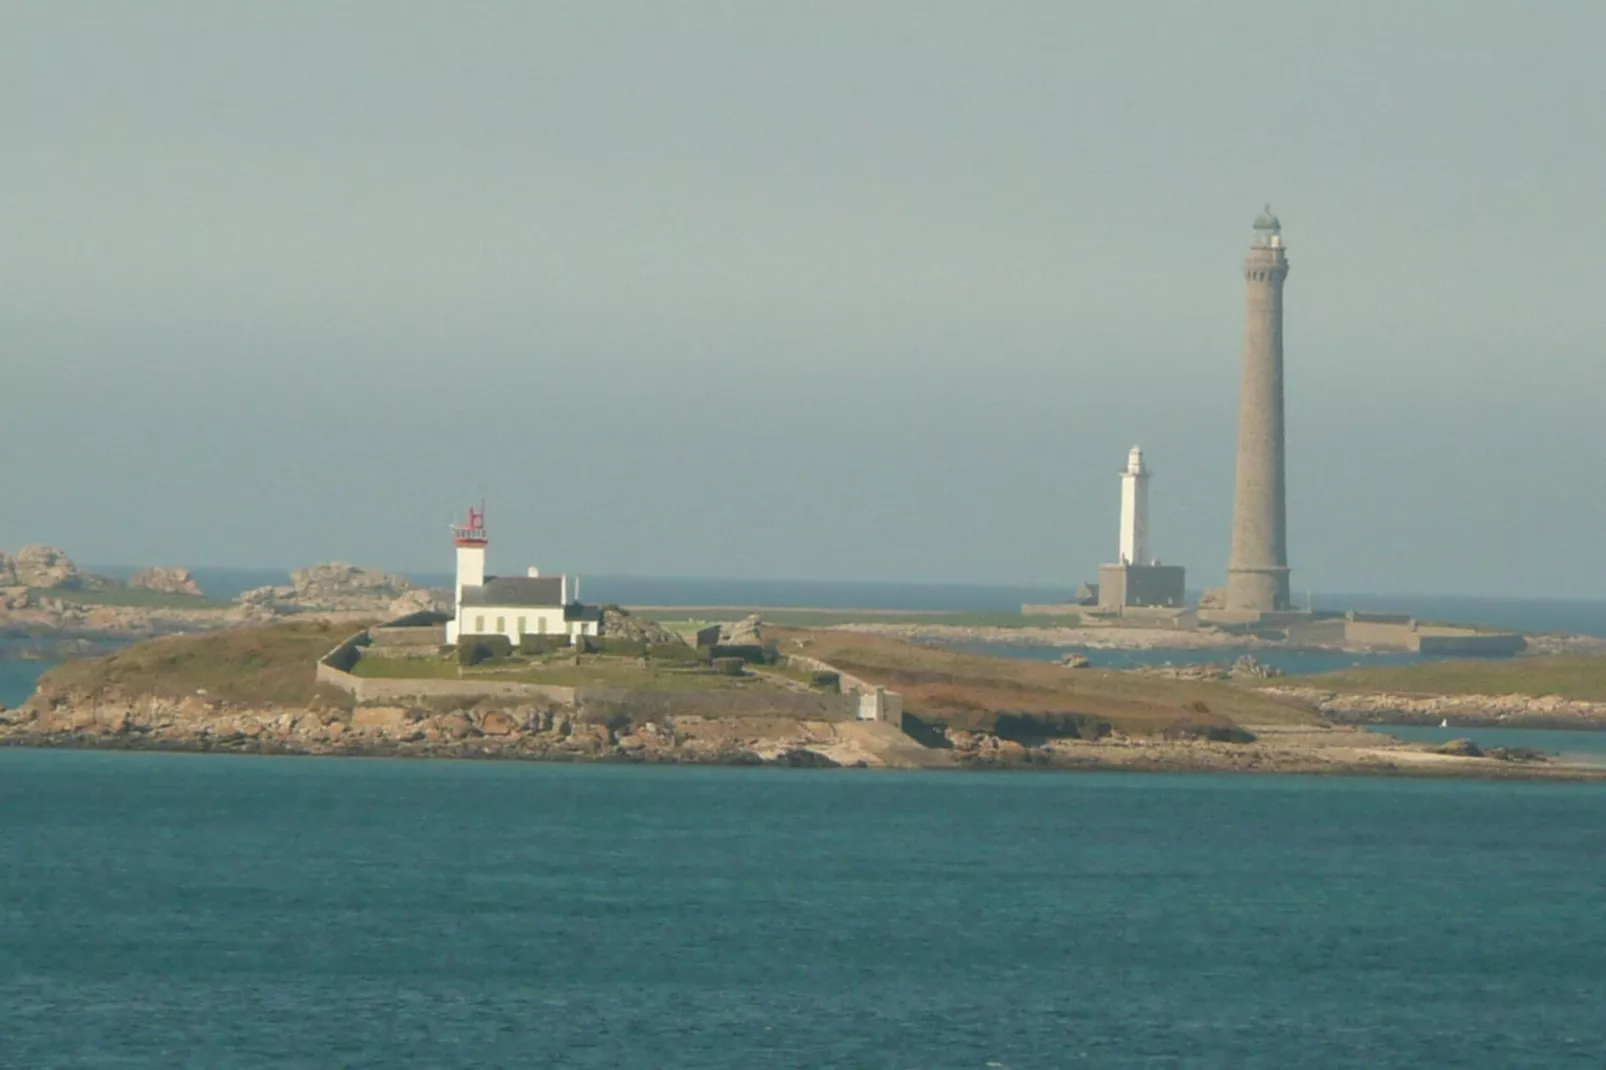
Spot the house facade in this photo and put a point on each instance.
(512, 606)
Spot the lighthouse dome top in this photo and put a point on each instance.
(1266, 221)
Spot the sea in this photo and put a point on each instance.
(1578, 617)
(236, 913)
(225, 913)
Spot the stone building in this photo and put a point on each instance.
(1137, 580)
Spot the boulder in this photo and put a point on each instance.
(745, 632)
(497, 723)
(1248, 668)
(44, 566)
(1076, 661)
(1460, 748)
(166, 579)
(622, 624)
(386, 717)
(453, 725)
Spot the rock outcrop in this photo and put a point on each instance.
(166, 579)
(749, 631)
(535, 731)
(44, 566)
(418, 600)
(621, 624)
(336, 582)
(1464, 711)
(337, 587)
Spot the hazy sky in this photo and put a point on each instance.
(801, 289)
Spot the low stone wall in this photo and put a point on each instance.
(426, 637)
(1481, 645)
(1391, 634)
(820, 706)
(1054, 609)
(1410, 636)
(1363, 617)
(333, 666)
(600, 703)
(847, 681)
(871, 702)
(379, 689)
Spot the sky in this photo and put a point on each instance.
(801, 289)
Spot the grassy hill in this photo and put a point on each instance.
(974, 691)
(1571, 676)
(270, 665)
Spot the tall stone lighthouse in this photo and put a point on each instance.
(1257, 576)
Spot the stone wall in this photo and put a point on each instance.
(871, 702)
(1395, 636)
(601, 703)
(1122, 586)
(1363, 617)
(410, 636)
(1466, 644)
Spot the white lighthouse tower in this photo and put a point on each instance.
(1135, 510)
(471, 541)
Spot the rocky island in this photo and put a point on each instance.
(795, 699)
(51, 608)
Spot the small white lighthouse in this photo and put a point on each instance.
(471, 542)
(1135, 510)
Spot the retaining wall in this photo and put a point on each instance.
(411, 636)
(599, 703)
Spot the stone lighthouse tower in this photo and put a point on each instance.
(1257, 576)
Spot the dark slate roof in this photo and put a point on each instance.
(576, 611)
(534, 591)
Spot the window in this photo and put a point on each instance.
(521, 625)
(540, 623)
(501, 625)
(479, 625)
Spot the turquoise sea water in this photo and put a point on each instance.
(1572, 744)
(1570, 615)
(17, 679)
(221, 913)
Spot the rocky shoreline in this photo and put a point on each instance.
(1466, 711)
(545, 733)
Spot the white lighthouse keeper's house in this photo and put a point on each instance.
(514, 606)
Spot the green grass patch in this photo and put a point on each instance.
(136, 597)
(381, 668)
(831, 618)
(593, 671)
(635, 678)
(1569, 676)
